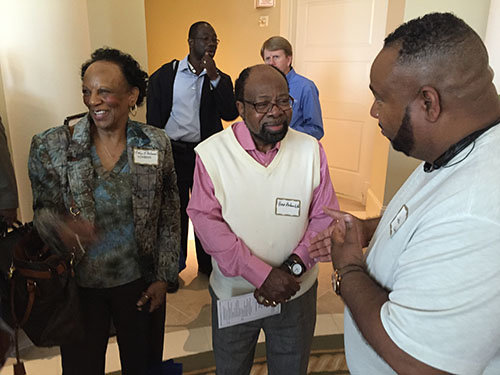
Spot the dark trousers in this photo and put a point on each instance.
(184, 160)
(288, 338)
(138, 332)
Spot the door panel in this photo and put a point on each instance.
(336, 42)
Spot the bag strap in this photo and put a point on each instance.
(31, 286)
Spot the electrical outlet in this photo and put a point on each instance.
(264, 21)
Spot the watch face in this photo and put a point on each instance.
(296, 269)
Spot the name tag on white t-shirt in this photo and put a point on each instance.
(287, 207)
(145, 157)
(399, 219)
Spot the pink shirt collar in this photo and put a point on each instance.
(245, 139)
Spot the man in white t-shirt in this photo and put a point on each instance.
(425, 298)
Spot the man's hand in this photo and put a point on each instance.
(279, 287)
(155, 295)
(9, 215)
(346, 243)
(320, 246)
(208, 63)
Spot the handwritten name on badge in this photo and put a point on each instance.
(146, 157)
(399, 219)
(287, 207)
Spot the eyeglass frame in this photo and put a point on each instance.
(207, 39)
(291, 100)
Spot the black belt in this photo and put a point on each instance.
(183, 146)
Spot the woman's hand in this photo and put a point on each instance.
(77, 233)
(155, 295)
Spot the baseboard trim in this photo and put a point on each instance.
(373, 205)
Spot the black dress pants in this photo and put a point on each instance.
(184, 160)
(138, 332)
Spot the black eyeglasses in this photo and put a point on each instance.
(208, 39)
(264, 107)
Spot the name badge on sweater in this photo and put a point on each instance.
(399, 219)
(287, 207)
(145, 157)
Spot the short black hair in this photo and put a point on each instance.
(435, 34)
(130, 68)
(194, 28)
(239, 85)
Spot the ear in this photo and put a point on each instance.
(289, 60)
(431, 103)
(241, 109)
(134, 94)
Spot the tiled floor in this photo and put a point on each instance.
(188, 318)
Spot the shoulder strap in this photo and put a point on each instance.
(175, 65)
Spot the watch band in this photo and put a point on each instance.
(339, 273)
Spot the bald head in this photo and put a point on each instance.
(261, 69)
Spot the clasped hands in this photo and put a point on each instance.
(278, 287)
(341, 243)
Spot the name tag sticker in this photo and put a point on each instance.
(146, 157)
(399, 219)
(287, 207)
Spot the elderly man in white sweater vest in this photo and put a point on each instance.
(257, 200)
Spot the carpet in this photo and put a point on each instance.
(327, 358)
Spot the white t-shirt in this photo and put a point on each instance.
(441, 264)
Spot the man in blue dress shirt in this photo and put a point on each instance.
(306, 118)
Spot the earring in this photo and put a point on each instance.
(133, 110)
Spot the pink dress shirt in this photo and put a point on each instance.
(232, 255)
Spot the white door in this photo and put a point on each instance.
(335, 44)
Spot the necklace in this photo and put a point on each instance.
(106, 150)
(458, 147)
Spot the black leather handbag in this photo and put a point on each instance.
(43, 293)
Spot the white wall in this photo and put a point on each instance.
(42, 47)
(474, 12)
(492, 40)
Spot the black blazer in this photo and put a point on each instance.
(216, 103)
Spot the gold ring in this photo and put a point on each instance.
(267, 301)
(146, 296)
(274, 303)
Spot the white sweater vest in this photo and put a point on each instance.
(266, 207)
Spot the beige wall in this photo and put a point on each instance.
(381, 146)
(475, 13)
(235, 22)
(120, 24)
(43, 45)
